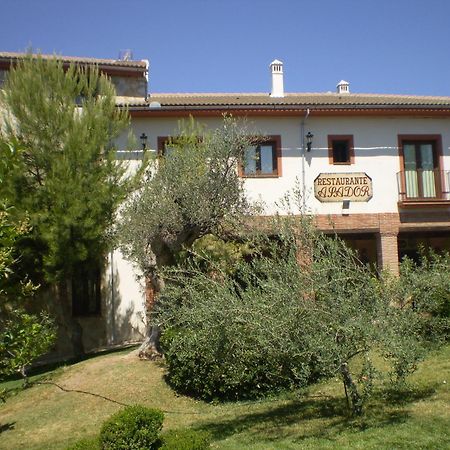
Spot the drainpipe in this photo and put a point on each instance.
(113, 306)
(302, 140)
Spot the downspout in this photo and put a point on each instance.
(113, 306)
(302, 137)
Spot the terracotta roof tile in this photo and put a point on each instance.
(298, 99)
(12, 56)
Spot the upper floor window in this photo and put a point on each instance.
(263, 159)
(340, 149)
(421, 176)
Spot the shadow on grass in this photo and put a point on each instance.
(407, 394)
(7, 426)
(45, 369)
(311, 417)
(15, 383)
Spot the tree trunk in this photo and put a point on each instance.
(158, 255)
(150, 348)
(350, 386)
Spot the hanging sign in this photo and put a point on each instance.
(336, 187)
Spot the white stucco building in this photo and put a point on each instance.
(376, 170)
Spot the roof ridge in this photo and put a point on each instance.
(291, 94)
(208, 94)
(81, 59)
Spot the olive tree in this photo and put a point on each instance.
(302, 307)
(192, 190)
(424, 286)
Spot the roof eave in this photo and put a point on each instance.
(293, 109)
(112, 67)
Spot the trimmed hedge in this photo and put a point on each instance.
(133, 428)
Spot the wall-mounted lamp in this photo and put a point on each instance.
(309, 138)
(143, 138)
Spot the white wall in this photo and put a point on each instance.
(376, 153)
(125, 301)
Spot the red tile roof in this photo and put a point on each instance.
(298, 100)
(9, 57)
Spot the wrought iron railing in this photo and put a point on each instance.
(423, 185)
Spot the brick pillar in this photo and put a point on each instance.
(387, 251)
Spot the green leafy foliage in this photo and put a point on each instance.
(185, 439)
(194, 190)
(191, 191)
(23, 337)
(135, 428)
(225, 254)
(302, 308)
(138, 427)
(12, 289)
(425, 288)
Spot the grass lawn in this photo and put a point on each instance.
(46, 417)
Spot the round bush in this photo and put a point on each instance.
(185, 440)
(134, 428)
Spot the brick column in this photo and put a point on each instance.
(387, 251)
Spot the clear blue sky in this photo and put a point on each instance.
(379, 46)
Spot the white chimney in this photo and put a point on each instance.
(277, 78)
(343, 87)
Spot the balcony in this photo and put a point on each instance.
(424, 188)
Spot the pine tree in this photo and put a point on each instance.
(58, 133)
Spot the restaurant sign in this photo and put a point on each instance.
(336, 187)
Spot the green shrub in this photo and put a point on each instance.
(23, 336)
(425, 287)
(185, 439)
(86, 444)
(134, 428)
(303, 307)
(213, 352)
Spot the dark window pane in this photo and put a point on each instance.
(341, 152)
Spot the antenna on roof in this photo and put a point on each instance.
(126, 55)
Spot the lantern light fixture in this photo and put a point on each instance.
(143, 138)
(309, 139)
